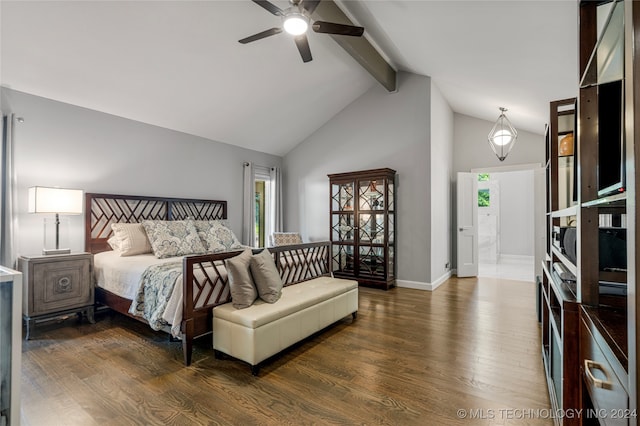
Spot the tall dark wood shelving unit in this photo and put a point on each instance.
(559, 307)
(363, 226)
(608, 322)
(598, 314)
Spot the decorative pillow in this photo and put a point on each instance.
(131, 239)
(171, 238)
(285, 238)
(243, 290)
(266, 276)
(217, 236)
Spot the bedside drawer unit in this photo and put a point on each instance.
(62, 285)
(56, 285)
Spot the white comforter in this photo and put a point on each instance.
(121, 276)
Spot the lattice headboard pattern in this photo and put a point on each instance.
(101, 210)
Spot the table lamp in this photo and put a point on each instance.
(58, 201)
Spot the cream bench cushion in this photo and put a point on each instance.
(262, 330)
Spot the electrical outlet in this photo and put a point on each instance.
(446, 265)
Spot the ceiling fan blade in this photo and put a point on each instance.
(269, 7)
(339, 29)
(303, 47)
(310, 5)
(263, 34)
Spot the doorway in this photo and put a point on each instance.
(506, 225)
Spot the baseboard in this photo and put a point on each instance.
(424, 286)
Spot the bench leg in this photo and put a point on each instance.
(354, 315)
(255, 369)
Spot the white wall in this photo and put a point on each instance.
(440, 185)
(67, 146)
(516, 212)
(379, 129)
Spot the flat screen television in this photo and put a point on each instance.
(611, 169)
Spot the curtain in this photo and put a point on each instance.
(7, 194)
(249, 206)
(275, 182)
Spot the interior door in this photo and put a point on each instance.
(467, 224)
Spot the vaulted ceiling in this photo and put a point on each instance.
(178, 64)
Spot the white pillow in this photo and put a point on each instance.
(131, 239)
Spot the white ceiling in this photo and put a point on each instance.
(178, 65)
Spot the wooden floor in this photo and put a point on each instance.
(410, 358)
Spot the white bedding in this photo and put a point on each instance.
(121, 275)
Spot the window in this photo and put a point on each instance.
(262, 204)
(484, 198)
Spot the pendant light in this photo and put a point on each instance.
(502, 136)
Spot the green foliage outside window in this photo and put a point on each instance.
(482, 177)
(483, 198)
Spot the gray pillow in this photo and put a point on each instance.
(243, 291)
(266, 276)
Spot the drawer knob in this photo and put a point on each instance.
(604, 384)
(64, 285)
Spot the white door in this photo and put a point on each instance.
(467, 214)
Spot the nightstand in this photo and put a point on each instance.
(56, 285)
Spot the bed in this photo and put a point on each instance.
(201, 279)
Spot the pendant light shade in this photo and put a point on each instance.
(502, 136)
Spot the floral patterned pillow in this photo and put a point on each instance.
(217, 236)
(171, 238)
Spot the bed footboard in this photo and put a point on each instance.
(205, 283)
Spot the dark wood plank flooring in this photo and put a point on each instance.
(410, 358)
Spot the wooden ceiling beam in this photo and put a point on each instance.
(358, 47)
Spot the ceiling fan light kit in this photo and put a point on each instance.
(295, 21)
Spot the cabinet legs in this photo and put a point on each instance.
(30, 322)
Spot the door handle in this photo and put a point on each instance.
(464, 228)
(603, 384)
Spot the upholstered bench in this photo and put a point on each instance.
(256, 333)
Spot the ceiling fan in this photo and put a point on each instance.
(295, 21)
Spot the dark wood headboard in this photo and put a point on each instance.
(101, 210)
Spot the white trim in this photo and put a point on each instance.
(513, 168)
(424, 286)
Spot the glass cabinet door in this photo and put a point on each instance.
(362, 226)
(343, 226)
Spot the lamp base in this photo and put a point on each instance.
(56, 251)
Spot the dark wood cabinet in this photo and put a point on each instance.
(593, 232)
(362, 226)
(559, 306)
(607, 207)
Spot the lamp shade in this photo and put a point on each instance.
(55, 200)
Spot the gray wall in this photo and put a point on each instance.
(440, 185)
(67, 146)
(379, 129)
(471, 149)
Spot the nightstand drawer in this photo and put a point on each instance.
(61, 285)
